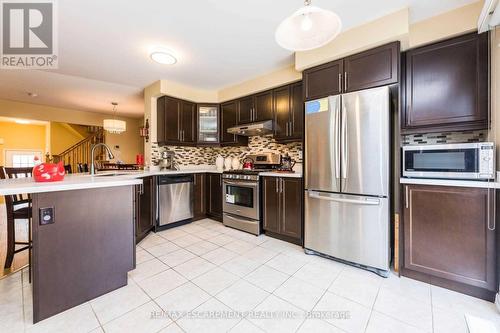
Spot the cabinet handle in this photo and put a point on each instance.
(340, 82)
(345, 81)
(406, 196)
(488, 211)
(281, 185)
(277, 185)
(141, 189)
(286, 129)
(253, 114)
(290, 128)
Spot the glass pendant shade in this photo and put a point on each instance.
(308, 28)
(115, 126)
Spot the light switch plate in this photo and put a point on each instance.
(47, 215)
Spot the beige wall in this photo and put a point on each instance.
(130, 142)
(188, 93)
(446, 25)
(21, 137)
(62, 137)
(261, 83)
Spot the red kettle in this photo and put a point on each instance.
(247, 163)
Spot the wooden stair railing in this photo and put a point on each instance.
(80, 152)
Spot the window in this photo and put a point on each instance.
(22, 158)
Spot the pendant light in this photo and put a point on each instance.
(114, 125)
(308, 28)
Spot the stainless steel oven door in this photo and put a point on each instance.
(241, 198)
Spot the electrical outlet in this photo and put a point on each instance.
(47, 215)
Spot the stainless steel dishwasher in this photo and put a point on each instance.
(175, 199)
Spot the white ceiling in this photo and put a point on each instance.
(104, 46)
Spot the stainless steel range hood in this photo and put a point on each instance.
(253, 129)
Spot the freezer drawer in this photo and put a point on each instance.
(348, 227)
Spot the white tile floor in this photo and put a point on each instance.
(208, 269)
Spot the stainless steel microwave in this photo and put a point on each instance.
(452, 161)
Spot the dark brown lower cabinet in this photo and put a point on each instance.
(145, 208)
(448, 238)
(282, 208)
(214, 196)
(199, 204)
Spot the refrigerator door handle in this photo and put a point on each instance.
(371, 201)
(336, 145)
(344, 153)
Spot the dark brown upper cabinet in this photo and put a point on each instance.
(369, 69)
(176, 121)
(282, 207)
(229, 118)
(245, 110)
(281, 112)
(449, 243)
(372, 68)
(258, 107)
(188, 122)
(447, 86)
(168, 121)
(324, 80)
(288, 112)
(263, 106)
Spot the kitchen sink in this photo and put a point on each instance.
(114, 174)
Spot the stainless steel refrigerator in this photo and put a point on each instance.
(347, 147)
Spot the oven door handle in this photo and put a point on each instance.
(241, 183)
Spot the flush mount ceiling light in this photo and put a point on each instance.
(163, 56)
(113, 125)
(308, 28)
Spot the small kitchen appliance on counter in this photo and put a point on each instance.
(241, 193)
(247, 163)
(287, 164)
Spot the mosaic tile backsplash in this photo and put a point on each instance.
(448, 137)
(207, 155)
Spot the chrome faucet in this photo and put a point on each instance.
(92, 162)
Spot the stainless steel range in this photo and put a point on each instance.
(241, 193)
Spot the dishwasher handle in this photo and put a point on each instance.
(175, 179)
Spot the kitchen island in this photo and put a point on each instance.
(83, 239)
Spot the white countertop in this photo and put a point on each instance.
(450, 182)
(70, 182)
(85, 181)
(282, 174)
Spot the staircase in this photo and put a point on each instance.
(79, 153)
